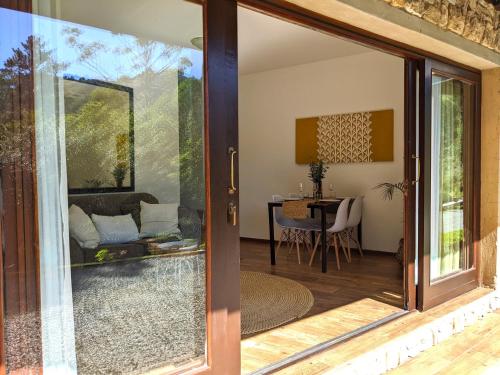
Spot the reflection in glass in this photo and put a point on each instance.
(450, 175)
(122, 275)
(110, 110)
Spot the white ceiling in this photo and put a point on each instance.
(161, 20)
(266, 43)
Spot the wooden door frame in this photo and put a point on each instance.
(221, 112)
(411, 180)
(454, 285)
(20, 292)
(414, 61)
(18, 220)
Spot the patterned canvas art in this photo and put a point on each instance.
(359, 137)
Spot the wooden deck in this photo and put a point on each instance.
(406, 337)
(474, 351)
(368, 289)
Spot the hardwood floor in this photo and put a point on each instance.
(368, 289)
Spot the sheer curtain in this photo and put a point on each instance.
(58, 342)
(447, 219)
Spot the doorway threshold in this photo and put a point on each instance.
(301, 356)
(390, 345)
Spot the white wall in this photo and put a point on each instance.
(269, 103)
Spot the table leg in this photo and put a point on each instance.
(313, 238)
(271, 234)
(324, 260)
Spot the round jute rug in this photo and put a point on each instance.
(268, 301)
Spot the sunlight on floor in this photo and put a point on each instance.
(279, 343)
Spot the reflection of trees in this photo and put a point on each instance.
(168, 105)
(452, 140)
(167, 108)
(15, 81)
(191, 141)
(92, 132)
(16, 96)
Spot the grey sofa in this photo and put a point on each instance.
(190, 223)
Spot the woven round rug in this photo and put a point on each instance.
(268, 301)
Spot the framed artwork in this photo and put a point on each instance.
(358, 137)
(99, 126)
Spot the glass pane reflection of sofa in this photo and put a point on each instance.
(190, 225)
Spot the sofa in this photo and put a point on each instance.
(190, 223)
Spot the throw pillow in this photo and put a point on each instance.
(116, 229)
(159, 220)
(82, 229)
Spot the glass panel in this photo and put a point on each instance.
(119, 123)
(450, 175)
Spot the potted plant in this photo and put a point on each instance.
(388, 190)
(317, 172)
(119, 173)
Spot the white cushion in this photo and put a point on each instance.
(116, 229)
(159, 219)
(82, 229)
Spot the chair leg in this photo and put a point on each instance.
(343, 245)
(356, 242)
(307, 242)
(336, 250)
(283, 234)
(348, 247)
(298, 248)
(314, 249)
(291, 240)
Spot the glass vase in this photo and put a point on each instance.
(317, 190)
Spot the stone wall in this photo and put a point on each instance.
(476, 20)
(490, 178)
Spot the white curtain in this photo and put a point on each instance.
(447, 180)
(58, 341)
(435, 177)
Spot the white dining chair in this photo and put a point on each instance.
(334, 232)
(353, 221)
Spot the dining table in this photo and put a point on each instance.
(324, 206)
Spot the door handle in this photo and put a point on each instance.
(232, 214)
(417, 175)
(232, 153)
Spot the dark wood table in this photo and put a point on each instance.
(324, 207)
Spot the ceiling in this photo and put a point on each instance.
(161, 20)
(266, 43)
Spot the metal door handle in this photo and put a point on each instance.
(232, 217)
(417, 176)
(232, 153)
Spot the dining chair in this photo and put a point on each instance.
(286, 225)
(334, 232)
(353, 221)
(297, 212)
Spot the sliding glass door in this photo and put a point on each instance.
(451, 184)
(117, 252)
